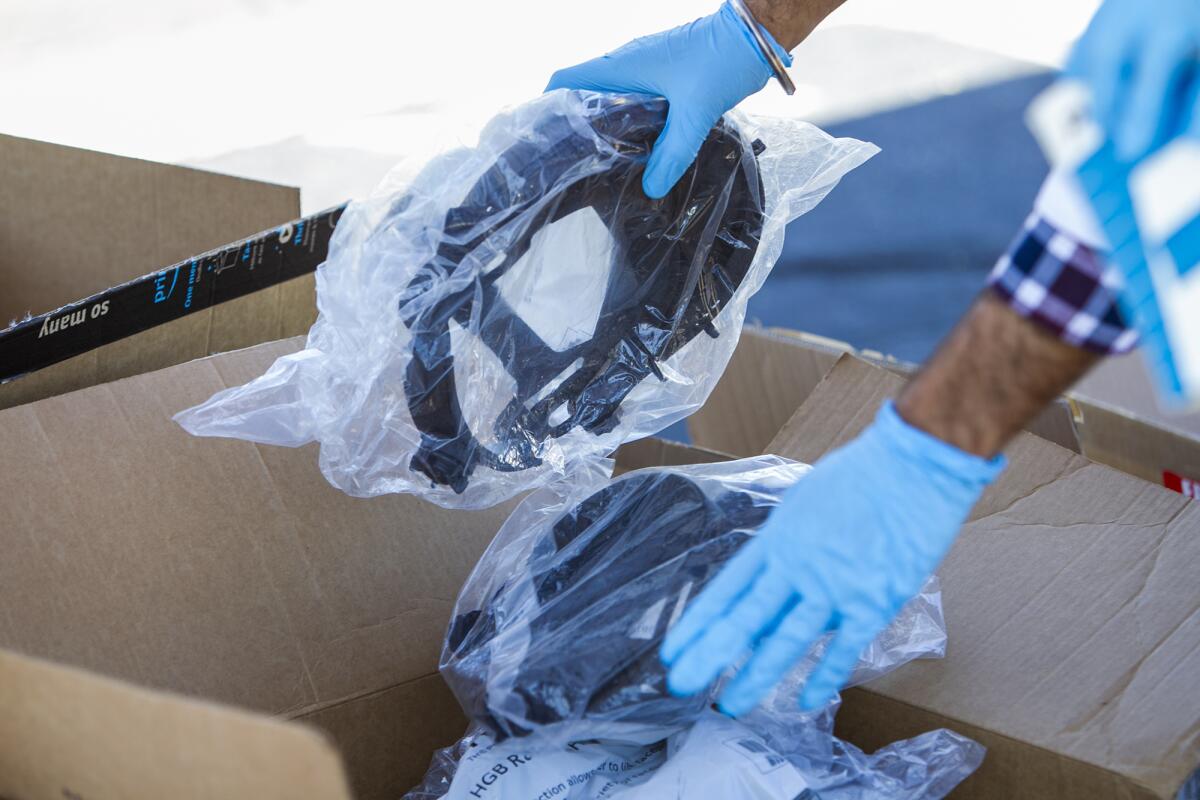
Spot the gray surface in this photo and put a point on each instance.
(892, 258)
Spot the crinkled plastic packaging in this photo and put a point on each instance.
(521, 308)
(562, 618)
(715, 758)
(555, 637)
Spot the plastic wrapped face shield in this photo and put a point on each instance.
(508, 314)
(553, 653)
(612, 571)
(676, 263)
(562, 620)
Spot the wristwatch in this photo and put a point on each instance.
(756, 30)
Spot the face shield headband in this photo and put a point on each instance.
(676, 263)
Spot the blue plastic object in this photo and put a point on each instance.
(1138, 59)
(703, 69)
(843, 552)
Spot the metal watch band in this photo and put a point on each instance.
(772, 57)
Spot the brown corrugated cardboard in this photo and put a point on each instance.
(67, 734)
(217, 568)
(75, 222)
(654, 452)
(235, 573)
(1120, 422)
(773, 371)
(1125, 383)
(232, 572)
(1074, 619)
(768, 377)
(386, 739)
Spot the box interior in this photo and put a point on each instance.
(1073, 612)
(235, 574)
(158, 588)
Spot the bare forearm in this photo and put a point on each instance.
(990, 377)
(791, 21)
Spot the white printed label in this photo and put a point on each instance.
(715, 759)
(647, 623)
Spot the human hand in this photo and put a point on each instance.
(703, 69)
(847, 547)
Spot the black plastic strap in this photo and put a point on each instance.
(677, 263)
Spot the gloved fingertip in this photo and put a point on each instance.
(734, 703)
(559, 80)
(678, 685)
(656, 184)
(814, 697)
(727, 710)
(675, 642)
(666, 166)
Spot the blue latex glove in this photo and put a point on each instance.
(1139, 58)
(703, 69)
(847, 547)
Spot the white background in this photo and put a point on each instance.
(326, 94)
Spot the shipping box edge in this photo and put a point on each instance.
(862, 704)
(71, 733)
(773, 370)
(365, 721)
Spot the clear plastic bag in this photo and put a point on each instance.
(925, 767)
(553, 652)
(715, 758)
(520, 308)
(562, 618)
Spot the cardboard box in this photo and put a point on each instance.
(226, 572)
(201, 618)
(1110, 417)
(77, 227)
(1073, 612)
(198, 618)
(1125, 425)
(134, 220)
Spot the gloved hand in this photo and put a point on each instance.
(847, 547)
(1139, 58)
(703, 69)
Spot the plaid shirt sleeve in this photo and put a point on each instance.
(1054, 280)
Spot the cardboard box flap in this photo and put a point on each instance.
(70, 734)
(215, 567)
(652, 452)
(1125, 383)
(773, 371)
(768, 377)
(75, 222)
(1148, 449)
(1072, 606)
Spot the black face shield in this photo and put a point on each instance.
(608, 579)
(676, 262)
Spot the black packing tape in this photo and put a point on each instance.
(200, 282)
